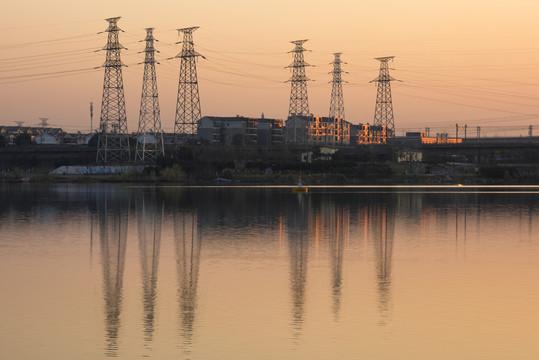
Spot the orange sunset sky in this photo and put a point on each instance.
(473, 62)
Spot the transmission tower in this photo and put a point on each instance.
(336, 105)
(44, 125)
(150, 136)
(44, 122)
(299, 101)
(383, 113)
(113, 141)
(188, 105)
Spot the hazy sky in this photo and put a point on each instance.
(472, 62)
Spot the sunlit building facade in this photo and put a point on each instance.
(317, 130)
(422, 138)
(370, 134)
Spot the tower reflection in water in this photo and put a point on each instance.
(113, 208)
(315, 219)
(308, 221)
(299, 251)
(150, 222)
(383, 229)
(188, 243)
(339, 225)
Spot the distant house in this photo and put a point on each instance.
(146, 138)
(11, 132)
(44, 139)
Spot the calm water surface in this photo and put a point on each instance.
(97, 271)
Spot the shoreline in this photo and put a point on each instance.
(285, 181)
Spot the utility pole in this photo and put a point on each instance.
(478, 133)
(91, 117)
(383, 113)
(188, 103)
(299, 100)
(465, 129)
(530, 130)
(457, 132)
(113, 141)
(150, 137)
(336, 105)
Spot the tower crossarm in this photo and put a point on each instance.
(298, 64)
(113, 24)
(188, 49)
(299, 45)
(298, 78)
(149, 50)
(187, 29)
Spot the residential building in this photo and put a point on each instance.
(258, 131)
(318, 130)
(369, 134)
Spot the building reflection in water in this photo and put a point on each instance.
(150, 222)
(188, 242)
(298, 248)
(112, 216)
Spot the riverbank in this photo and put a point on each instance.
(208, 165)
(370, 174)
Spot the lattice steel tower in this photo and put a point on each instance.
(299, 101)
(150, 136)
(188, 105)
(383, 113)
(336, 105)
(113, 141)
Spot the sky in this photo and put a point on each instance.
(466, 62)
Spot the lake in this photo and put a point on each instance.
(91, 271)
